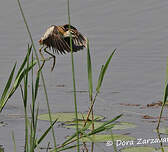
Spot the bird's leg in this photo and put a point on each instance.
(40, 49)
(43, 59)
(53, 56)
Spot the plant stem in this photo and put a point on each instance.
(42, 77)
(73, 77)
(14, 143)
(90, 109)
(165, 95)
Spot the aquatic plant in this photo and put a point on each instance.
(26, 70)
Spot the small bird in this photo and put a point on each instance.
(58, 38)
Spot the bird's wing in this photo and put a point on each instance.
(59, 44)
(66, 26)
(80, 39)
(77, 37)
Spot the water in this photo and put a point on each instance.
(138, 29)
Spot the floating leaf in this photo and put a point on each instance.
(124, 125)
(163, 130)
(138, 149)
(143, 149)
(63, 117)
(105, 137)
(118, 125)
(160, 150)
(105, 126)
(75, 134)
(64, 148)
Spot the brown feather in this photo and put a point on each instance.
(58, 38)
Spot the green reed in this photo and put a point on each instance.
(164, 96)
(73, 78)
(22, 79)
(31, 140)
(42, 77)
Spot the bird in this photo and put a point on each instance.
(58, 38)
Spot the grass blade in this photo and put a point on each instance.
(8, 84)
(46, 132)
(73, 78)
(38, 62)
(22, 74)
(26, 82)
(7, 95)
(113, 141)
(14, 143)
(163, 104)
(64, 148)
(103, 71)
(37, 84)
(24, 62)
(165, 94)
(105, 125)
(89, 65)
(75, 134)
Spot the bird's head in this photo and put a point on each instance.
(40, 41)
(48, 32)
